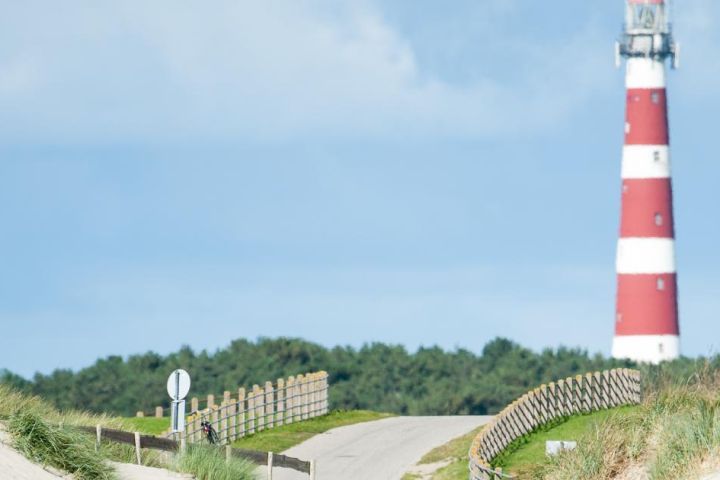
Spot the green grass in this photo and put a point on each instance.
(147, 425)
(670, 435)
(206, 462)
(458, 470)
(280, 439)
(530, 451)
(456, 451)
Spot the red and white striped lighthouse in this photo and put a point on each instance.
(646, 323)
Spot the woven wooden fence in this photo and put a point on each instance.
(572, 396)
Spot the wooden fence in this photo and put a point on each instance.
(287, 401)
(572, 396)
(168, 445)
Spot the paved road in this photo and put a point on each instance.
(380, 450)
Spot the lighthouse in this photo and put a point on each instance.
(646, 320)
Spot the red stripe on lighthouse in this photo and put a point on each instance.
(646, 117)
(647, 208)
(646, 305)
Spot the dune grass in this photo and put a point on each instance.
(47, 436)
(529, 451)
(207, 462)
(668, 436)
(280, 439)
(60, 447)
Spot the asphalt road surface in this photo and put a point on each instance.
(380, 450)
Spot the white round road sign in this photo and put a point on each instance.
(178, 384)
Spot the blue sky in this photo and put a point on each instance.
(192, 172)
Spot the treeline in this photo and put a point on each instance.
(377, 376)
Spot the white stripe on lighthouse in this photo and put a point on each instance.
(646, 161)
(646, 348)
(645, 255)
(645, 73)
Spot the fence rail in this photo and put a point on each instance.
(571, 396)
(168, 445)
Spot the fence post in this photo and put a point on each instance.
(290, 400)
(194, 405)
(612, 387)
(214, 418)
(158, 412)
(223, 431)
(280, 394)
(604, 388)
(260, 407)
(137, 448)
(326, 392)
(251, 412)
(197, 428)
(270, 465)
(578, 397)
(241, 412)
(313, 469)
(315, 394)
(98, 438)
(309, 379)
(210, 401)
(269, 405)
(303, 397)
(228, 453)
(232, 420)
(140, 414)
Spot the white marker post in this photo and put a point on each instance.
(178, 386)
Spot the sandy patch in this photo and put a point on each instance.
(127, 471)
(14, 466)
(425, 471)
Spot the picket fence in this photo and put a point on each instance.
(287, 401)
(571, 396)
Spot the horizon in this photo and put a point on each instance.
(256, 341)
(343, 174)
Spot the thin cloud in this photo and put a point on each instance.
(167, 71)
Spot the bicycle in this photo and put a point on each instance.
(210, 433)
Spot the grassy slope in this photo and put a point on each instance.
(281, 438)
(457, 450)
(670, 435)
(146, 425)
(47, 435)
(532, 452)
(527, 455)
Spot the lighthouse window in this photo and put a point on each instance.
(656, 156)
(658, 219)
(655, 97)
(660, 284)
